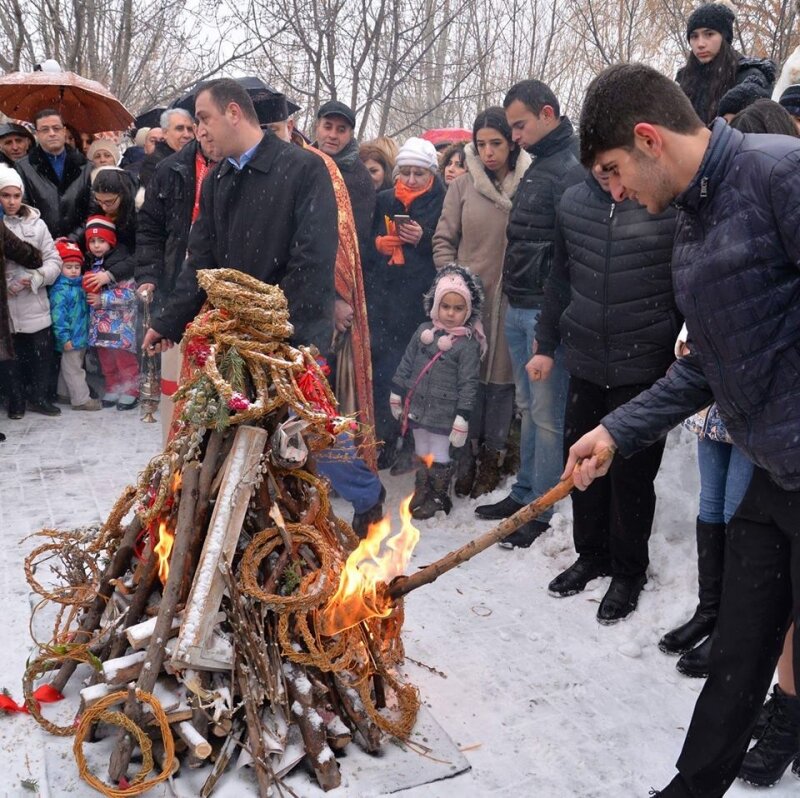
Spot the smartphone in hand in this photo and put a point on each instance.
(401, 218)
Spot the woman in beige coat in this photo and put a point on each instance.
(472, 231)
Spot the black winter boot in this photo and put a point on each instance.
(695, 663)
(710, 555)
(621, 599)
(421, 487)
(767, 760)
(489, 473)
(465, 466)
(438, 497)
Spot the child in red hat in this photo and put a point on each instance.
(70, 315)
(112, 320)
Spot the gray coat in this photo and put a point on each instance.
(448, 388)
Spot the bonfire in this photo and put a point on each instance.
(223, 611)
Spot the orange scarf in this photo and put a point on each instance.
(407, 195)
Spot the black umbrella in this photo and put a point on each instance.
(151, 118)
(255, 87)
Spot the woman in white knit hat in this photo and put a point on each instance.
(401, 270)
(28, 305)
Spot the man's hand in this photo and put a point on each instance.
(586, 450)
(68, 347)
(342, 316)
(94, 300)
(154, 342)
(144, 289)
(539, 368)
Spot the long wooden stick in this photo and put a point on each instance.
(156, 652)
(402, 585)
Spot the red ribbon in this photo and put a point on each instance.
(44, 694)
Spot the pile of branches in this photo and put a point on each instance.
(190, 622)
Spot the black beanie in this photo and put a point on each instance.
(715, 16)
(790, 99)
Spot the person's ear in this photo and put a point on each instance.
(647, 139)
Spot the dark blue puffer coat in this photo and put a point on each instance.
(736, 273)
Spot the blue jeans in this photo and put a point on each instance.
(349, 474)
(542, 406)
(724, 476)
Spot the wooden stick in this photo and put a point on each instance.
(312, 727)
(223, 759)
(198, 746)
(402, 585)
(117, 567)
(156, 650)
(255, 735)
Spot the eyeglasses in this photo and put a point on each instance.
(50, 129)
(107, 203)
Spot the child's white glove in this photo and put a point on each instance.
(37, 279)
(459, 432)
(396, 405)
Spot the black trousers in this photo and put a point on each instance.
(613, 518)
(760, 591)
(29, 374)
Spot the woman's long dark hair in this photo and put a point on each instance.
(495, 118)
(706, 84)
(116, 181)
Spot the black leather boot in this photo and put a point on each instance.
(765, 763)
(438, 496)
(710, 555)
(694, 663)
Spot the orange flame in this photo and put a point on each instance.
(163, 549)
(427, 459)
(379, 558)
(166, 537)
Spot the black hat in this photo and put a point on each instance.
(273, 108)
(790, 99)
(335, 108)
(739, 97)
(10, 128)
(714, 16)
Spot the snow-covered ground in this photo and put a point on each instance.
(542, 700)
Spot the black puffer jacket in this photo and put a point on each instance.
(164, 222)
(161, 152)
(275, 220)
(737, 282)
(62, 203)
(531, 223)
(611, 289)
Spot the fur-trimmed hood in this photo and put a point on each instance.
(484, 185)
(473, 283)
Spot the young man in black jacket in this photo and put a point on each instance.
(533, 114)
(737, 282)
(609, 300)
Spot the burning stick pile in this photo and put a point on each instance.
(213, 618)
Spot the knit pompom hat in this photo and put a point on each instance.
(715, 16)
(417, 152)
(10, 177)
(455, 279)
(101, 227)
(69, 252)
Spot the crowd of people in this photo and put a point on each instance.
(503, 305)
